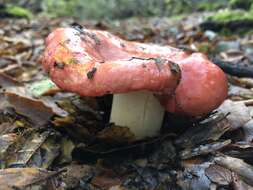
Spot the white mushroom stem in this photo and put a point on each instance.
(139, 111)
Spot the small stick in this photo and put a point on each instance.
(234, 69)
(248, 102)
(204, 149)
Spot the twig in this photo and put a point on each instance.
(234, 69)
(204, 149)
(248, 102)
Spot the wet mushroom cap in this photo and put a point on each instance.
(203, 87)
(94, 63)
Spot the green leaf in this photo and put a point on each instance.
(38, 88)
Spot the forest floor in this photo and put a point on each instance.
(50, 139)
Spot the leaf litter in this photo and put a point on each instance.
(51, 139)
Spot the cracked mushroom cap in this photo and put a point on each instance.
(94, 63)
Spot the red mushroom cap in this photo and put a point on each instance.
(94, 63)
(203, 87)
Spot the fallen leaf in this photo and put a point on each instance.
(248, 131)
(106, 180)
(116, 134)
(42, 87)
(39, 112)
(209, 130)
(20, 178)
(75, 174)
(238, 113)
(218, 174)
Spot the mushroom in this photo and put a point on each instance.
(95, 63)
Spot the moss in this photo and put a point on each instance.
(17, 11)
(178, 17)
(245, 4)
(59, 8)
(227, 15)
(207, 6)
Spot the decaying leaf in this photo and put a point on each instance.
(106, 179)
(203, 149)
(67, 147)
(20, 178)
(218, 174)
(9, 127)
(238, 166)
(34, 149)
(248, 131)
(238, 113)
(76, 174)
(164, 155)
(35, 110)
(236, 92)
(42, 87)
(116, 134)
(242, 150)
(243, 81)
(8, 81)
(210, 130)
(193, 177)
(5, 142)
(46, 154)
(239, 184)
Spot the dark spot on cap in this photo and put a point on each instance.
(174, 67)
(159, 62)
(95, 38)
(59, 65)
(77, 26)
(143, 65)
(91, 73)
(122, 44)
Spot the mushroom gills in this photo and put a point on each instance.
(140, 111)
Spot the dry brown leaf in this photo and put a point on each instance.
(5, 142)
(210, 130)
(32, 143)
(218, 174)
(75, 173)
(39, 112)
(106, 179)
(19, 178)
(116, 134)
(248, 131)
